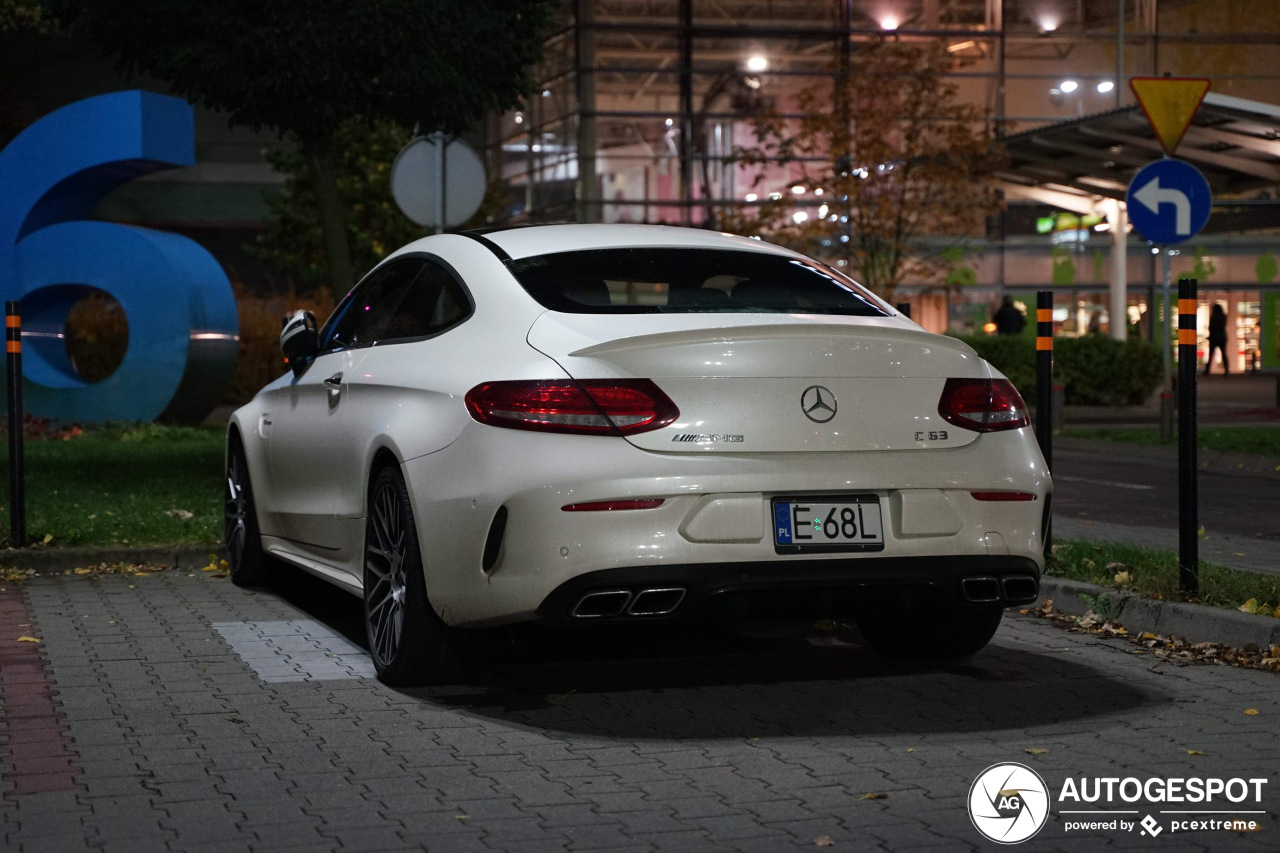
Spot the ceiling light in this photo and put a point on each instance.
(669, 122)
(963, 45)
(889, 22)
(1069, 86)
(757, 63)
(519, 118)
(751, 196)
(798, 189)
(822, 212)
(1105, 86)
(799, 216)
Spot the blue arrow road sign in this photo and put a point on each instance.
(1169, 201)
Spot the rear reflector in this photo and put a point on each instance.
(588, 406)
(1003, 496)
(609, 506)
(983, 405)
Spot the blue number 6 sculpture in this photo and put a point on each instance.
(183, 332)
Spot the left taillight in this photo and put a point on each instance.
(983, 405)
(583, 407)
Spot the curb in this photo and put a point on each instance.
(1195, 623)
(62, 559)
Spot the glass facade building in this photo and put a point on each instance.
(643, 103)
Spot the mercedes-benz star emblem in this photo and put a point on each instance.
(818, 404)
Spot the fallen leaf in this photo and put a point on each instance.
(1250, 606)
(1193, 752)
(1035, 750)
(185, 515)
(25, 639)
(1252, 712)
(1122, 578)
(83, 571)
(910, 749)
(1201, 533)
(48, 537)
(823, 841)
(875, 797)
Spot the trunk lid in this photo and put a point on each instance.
(766, 383)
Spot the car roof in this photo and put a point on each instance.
(527, 241)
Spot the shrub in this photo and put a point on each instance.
(1094, 370)
(260, 360)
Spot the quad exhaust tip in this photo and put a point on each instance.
(980, 589)
(605, 603)
(601, 603)
(1020, 589)
(986, 589)
(656, 602)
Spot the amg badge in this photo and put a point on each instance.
(700, 437)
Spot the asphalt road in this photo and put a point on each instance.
(190, 715)
(1119, 484)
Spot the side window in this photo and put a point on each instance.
(363, 316)
(434, 302)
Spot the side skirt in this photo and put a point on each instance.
(279, 548)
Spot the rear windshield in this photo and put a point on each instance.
(686, 281)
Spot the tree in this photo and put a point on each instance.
(304, 68)
(898, 156)
(363, 155)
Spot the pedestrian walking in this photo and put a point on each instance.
(1008, 319)
(1217, 339)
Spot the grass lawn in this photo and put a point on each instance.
(1261, 440)
(1154, 574)
(114, 484)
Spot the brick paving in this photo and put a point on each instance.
(206, 717)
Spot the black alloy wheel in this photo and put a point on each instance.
(409, 643)
(250, 565)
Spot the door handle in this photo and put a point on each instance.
(335, 379)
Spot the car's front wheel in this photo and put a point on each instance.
(249, 564)
(409, 643)
(937, 630)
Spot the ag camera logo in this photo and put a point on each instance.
(1008, 803)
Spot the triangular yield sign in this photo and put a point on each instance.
(1170, 103)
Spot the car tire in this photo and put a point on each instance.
(250, 565)
(934, 631)
(410, 644)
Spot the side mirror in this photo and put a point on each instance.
(299, 340)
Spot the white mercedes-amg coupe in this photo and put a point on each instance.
(594, 424)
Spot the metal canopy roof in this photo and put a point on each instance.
(1234, 142)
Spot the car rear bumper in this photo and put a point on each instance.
(764, 591)
(497, 543)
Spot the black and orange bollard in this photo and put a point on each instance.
(17, 482)
(1188, 485)
(1044, 374)
(1045, 395)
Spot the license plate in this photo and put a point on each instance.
(842, 523)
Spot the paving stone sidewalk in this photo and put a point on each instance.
(205, 717)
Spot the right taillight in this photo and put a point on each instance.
(587, 406)
(983, 405)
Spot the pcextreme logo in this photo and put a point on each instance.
(1008, 803)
